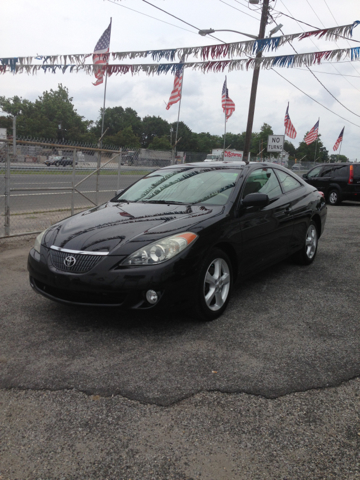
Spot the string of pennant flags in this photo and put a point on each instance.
(284, 61)
(217, 52)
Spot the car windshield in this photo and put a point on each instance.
(184, 186)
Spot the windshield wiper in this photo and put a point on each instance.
(165, 202)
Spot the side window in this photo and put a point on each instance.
(341, 172)
(264, 181)
(327, 171)
(314, 172)
(288, 182)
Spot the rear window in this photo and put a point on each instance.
(356, 170)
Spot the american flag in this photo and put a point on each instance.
(339, 140)
(313, 134)
(175, 95)
(100, 55)
(289, 127)
(228, 105)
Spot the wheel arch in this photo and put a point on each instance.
(230, 252)
(317, 220)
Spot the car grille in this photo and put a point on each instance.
(83, 263)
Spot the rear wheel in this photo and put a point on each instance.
(334, 197)
(307, 254)
(214, 285)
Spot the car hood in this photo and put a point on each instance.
(113, 226)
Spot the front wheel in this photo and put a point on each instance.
(334, 197)
(307, 254)
(214, 285)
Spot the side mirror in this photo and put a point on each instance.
(305, 175)
(255, 200)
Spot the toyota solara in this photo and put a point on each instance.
(180, 236)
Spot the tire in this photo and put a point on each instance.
(334, 197)
(307, 254)
(214, 285)
(56, 164)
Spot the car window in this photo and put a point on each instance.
(288, 182)
(356, 170)
(264, 181)
(327, 171)
(314, 172)
(341, 171)
(188, 186)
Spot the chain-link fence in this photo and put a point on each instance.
(42, 183)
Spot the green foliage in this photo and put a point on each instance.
(117, 119)
(160, 143)
(338, 158)
(314, 151)
(153, 127)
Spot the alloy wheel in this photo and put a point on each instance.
(217, 284)
(311, 241)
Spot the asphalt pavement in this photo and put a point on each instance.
(270, 390)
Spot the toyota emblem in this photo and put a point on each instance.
(69, 261)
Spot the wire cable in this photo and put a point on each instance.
(313, 99)
(353, 86)
(177, 18)
(154, 18)
(238, 9)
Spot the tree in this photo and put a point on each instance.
(338, 158)
(152, 127)
(124, 138)
(116, 119)
(160, 143)
(51, 114)
(205, 142)
(187, 141)
(306, 153)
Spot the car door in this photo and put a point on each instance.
(265, 232)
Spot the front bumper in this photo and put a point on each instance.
(110, 286)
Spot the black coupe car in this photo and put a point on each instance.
(181, 234)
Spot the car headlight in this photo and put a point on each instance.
(161, 251)
(38, 239)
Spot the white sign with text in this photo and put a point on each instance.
(275, 143)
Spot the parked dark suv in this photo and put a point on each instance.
(338, 181)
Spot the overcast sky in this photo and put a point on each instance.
(31, 27)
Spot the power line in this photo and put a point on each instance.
(330, 73)
(313, 99)
(177, 18)
(145, 15)
(333, 66)
(238, 9)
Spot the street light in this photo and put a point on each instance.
(211, 30)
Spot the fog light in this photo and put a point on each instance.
(152, 297)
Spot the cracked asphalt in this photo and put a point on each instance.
(270, 390)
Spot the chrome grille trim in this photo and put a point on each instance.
(83, 263)
(80, 252)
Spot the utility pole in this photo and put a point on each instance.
(263, 21)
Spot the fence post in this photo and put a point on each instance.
(73, 183)
(119, 170)
(7, 192)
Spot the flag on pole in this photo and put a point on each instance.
(101, 55)
(313, 134)
(289, 127)
(175, 95)
(228, 105)
(339, 140)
